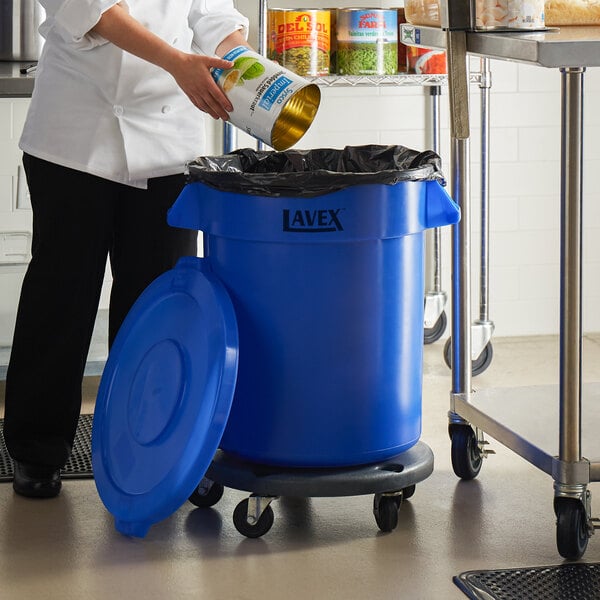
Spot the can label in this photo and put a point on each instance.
(367, 42)
(510, 14)
(258, 89)
(300, 40)
(425, 61)
(526, 14)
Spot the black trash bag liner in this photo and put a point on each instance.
(309, 173)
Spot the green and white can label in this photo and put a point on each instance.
(367, 41)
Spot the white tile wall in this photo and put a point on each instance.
(12, 116)
(12, 219)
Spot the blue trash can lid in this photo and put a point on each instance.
(165, 396)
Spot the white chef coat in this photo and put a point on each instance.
(98, 109)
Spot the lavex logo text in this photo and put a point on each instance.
(312, 221)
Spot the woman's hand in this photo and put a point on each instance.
(190, 71)
(192, 74)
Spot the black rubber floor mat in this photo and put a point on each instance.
(573, 581)
(79, 465)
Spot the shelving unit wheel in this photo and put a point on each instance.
(479, 365)
(385, 509)
(467, 457)
(572, 533)
(208, 493)
(242, 520)
(433, 334)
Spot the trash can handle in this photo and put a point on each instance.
(440, 208)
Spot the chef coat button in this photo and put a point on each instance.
(175, 40)
(118, 110)
(165, 109)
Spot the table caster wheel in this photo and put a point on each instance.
(572, 534)
(479, 365)
(433, 334)
(466, 454)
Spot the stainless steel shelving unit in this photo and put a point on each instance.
(558, 409)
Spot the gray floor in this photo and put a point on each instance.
(330, 549)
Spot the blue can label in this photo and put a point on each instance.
(274, 92)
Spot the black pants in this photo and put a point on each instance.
(78, 220)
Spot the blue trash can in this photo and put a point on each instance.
(296, 342)
(328, 295)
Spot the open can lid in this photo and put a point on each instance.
(165, 396)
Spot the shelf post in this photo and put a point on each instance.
(456, 23)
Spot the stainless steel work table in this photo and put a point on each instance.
(13, 84)
(520, 418)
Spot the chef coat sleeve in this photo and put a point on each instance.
(73, 19)
(212, 21)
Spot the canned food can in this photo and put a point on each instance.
(425, 61)
(510, 14)
(489, 14)
(300, 40)
(526, 14)
(367, 41)
(270, 102)
(402, 50)
(333, 40)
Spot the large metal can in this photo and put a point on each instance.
(489, 14)
(270, 102)
(367, 41)
(509, 14)
(300, 40)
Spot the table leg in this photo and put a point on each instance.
(570, 263)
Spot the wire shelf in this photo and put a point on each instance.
(399, 79)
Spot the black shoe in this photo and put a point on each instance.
(36, 481)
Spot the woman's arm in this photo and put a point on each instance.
(237, 38)
(190, 71)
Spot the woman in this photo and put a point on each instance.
(113, 119)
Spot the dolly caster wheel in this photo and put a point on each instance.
(208, 493)
(385, 509)
(408, 492)
(246, 522)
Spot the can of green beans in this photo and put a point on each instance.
(367, 41)
(300, 40)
